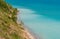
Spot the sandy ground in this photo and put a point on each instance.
(28, 35)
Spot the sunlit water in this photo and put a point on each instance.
(42, 17)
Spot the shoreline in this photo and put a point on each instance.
(27, 31)
(30, 33)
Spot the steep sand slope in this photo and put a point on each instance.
(9, 27)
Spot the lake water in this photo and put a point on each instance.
(41, 16)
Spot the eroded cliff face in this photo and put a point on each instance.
(9, 28)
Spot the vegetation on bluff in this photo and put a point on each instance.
(9, 28)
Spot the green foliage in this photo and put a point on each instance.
(9, 29)
(14, 36)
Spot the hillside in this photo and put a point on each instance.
(9, 28)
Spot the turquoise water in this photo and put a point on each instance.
(41, 16)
